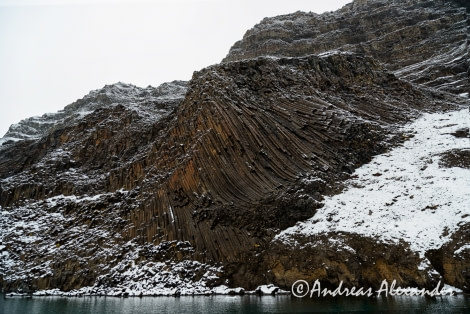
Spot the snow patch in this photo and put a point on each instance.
(403, 194)
(462, 249)
(269, 290)
(171, 214)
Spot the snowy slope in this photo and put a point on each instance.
(406, 194)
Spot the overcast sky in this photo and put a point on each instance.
(53, 52)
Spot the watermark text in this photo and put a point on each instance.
(301, 289)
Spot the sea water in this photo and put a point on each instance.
(233, 304)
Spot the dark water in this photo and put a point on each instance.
(228, 304)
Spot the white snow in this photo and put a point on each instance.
(403, 194)
(452, 289)
(462, 249)
(6, 139)
(425, 67)
(171, 214)
(139, 100)
(223, 289)
(269, 290)
(52, 201)
(333, 52)
(22, 230)
(38, 229)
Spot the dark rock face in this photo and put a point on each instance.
(456, 158)
(451, 260)
(61, 185)
(355, 260)
(208, 172)
(231, 178)
(425, 42)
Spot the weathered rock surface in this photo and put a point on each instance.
(355, 260)
(206, 173)
(425, 42)
(35, 127)
(451, 260)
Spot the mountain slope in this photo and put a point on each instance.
(416, 197)
(187, 186)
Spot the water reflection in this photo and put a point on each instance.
(234, 304)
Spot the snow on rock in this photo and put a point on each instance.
(462, 249)
(39, 229)
(405, 194)
(22, 230)
(141, 100)
(224, 290)
(152, 278)
(452, 289)
(269, 290)
(8, 140)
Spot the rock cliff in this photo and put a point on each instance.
(187, 185)
(425, 42)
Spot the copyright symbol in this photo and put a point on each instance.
(300, 288)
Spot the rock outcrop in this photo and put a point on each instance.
(206, 173)
(169, 94)
(425, 42)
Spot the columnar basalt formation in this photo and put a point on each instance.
(205, 173)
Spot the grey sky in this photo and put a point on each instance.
(53, 52)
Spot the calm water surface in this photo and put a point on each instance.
(229, 304)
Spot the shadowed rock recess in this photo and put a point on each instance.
(205, 173)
